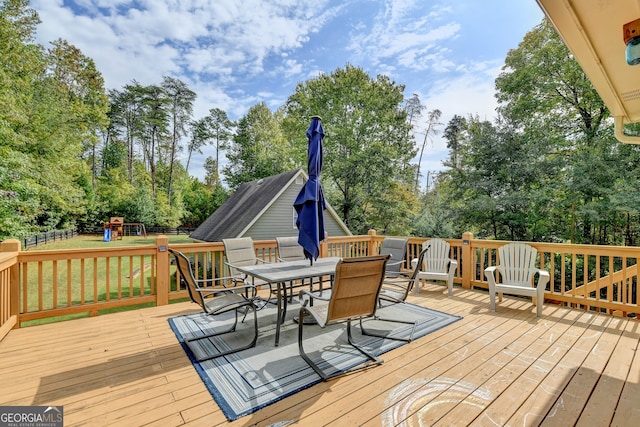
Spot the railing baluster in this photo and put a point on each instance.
(608, 280)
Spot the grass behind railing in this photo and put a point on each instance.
(78, 280)
(102, 276)
(97, 242)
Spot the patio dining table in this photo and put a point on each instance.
(281, 273)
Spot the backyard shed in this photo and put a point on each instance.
(263, 210)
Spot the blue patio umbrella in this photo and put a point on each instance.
(310, 203)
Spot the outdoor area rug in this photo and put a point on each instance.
(243, 382)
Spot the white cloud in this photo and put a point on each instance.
(471, 93)
(235, 54)
(402, 30)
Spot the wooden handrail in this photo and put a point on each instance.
(9, 293)
(40, 284)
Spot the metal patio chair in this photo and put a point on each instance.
(215, 299)
(354, 296)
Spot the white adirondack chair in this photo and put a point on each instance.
(436, 264)
(517, 268)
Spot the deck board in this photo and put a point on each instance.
(508, 367)
(468, 380)
(628, 410)
(611, 378)
(423, 381)
(520, 356)
(552, 365)
(585, 355)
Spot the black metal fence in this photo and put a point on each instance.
(150, 230)
(169, 230)
(56, 235)
(48, 237)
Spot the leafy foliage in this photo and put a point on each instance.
(548, 169)
(258, 149)
(367, 147)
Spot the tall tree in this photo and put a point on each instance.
(367, 147)
(20, 64)
(258, 148)
(221, 131)
(180, 109)
(215, 127)
(433, 118)
(88, 103)
(453, 134)
(199, 138)
(414, 109)
(544, 94)
(53, 104)
(126, 115)
(543, 87)
(211, 177)
(155, 117)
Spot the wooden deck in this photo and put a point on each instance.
(569, 367)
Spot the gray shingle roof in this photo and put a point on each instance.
(241, 208)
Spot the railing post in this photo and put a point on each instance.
(13, 245)
(162, 270)
(467, 264)
(372, 249)
(324, 246)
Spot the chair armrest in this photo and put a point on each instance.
(394, 287)
(213, 281)
(241, 277)
(491, 270)
(228, 264)
(305, 296)
(258, 261)
(208, 292)
(490, 274)
(543, 278)
(401, 284)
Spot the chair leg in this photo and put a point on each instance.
(253, 342)
(372, 360)
(304, 355)
(492, 296)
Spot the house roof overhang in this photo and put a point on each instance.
(593, 31)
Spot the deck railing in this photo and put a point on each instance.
(9, 310)
(50, 283)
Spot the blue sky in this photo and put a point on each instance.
(236, 53)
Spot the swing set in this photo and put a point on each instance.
(116, 228)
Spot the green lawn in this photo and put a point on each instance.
(92, 241)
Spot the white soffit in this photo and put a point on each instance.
(592, 29)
